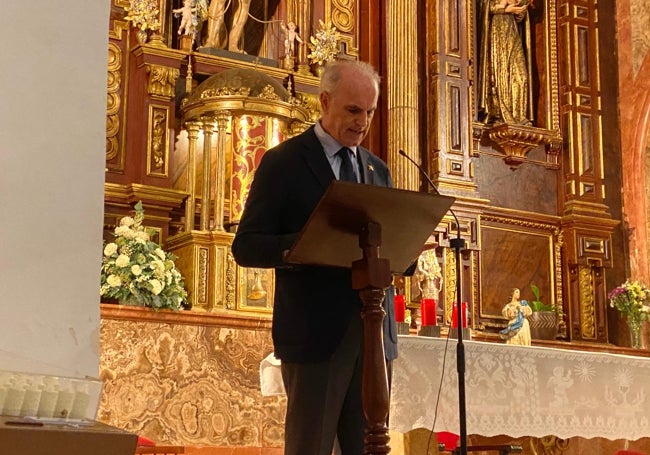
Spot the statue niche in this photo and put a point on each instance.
(505, 81)
(505, 69)
(237, 26)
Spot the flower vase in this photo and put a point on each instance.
(317, 69)
(635, 333)
(141, 36)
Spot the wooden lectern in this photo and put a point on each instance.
(347, 229)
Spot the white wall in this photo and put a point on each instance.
(52, 152)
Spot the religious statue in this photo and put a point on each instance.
(505, 62)
(186, 12)
(518, 329)
(428, 275)
(290, 38)
(218, 36)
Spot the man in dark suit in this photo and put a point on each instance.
(317, 328)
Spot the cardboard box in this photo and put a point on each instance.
(28, 437)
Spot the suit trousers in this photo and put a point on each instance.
(324, 400)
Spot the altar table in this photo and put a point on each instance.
(520, 390)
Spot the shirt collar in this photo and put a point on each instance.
(330, 145)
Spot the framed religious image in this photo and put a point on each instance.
(516, 253)
(255, 288)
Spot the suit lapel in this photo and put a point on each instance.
(365, 166)
(314, 156)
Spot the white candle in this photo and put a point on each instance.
(15, 395)
(31, 399)
(81, 401)
(49, 396)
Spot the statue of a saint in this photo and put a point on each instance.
(218, 36)
(505, 62)
(428, 275)
(516, 311)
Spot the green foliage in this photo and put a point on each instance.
(537, 304)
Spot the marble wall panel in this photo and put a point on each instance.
(640, 15)
(188, 385)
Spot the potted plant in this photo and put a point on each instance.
(136, 271)
(544, 320)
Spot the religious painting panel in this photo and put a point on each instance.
(255, 289)
(516, 253)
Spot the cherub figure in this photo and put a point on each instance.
(187, 12)
(291, 36)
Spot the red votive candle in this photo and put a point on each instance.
(428, 311)
(400, 308)
(454, 316)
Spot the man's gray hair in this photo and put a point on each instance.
(332, 74)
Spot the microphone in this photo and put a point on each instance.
(433, 186)
(457, 244)
(425, 175)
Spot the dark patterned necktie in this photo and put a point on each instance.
(347, 171)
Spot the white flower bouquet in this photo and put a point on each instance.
(136, 271)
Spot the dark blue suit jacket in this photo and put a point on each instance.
(313, 305)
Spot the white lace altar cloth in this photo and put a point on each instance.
(520, 390)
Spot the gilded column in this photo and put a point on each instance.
(402, 92)
(587, 223)
(190, 205)
(208, 125)
(302, 13)
(220, 169)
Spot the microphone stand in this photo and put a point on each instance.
(458, 244)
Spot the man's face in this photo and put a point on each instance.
(348, 110)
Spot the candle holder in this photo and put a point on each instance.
(432, 331)
(403, 328)
(453, 333)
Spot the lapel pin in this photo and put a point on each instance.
(371, 168)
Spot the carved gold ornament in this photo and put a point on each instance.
(325, 45)
(143, 14)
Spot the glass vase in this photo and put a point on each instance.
(635, 333)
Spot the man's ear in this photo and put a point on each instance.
(324, 101)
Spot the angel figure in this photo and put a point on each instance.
(290, 38)
(187, 18)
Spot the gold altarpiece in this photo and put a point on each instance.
(186, 127)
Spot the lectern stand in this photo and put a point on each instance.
(353, 216)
